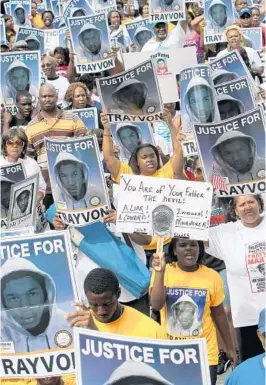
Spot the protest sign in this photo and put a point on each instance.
(23, 203)
(127, 136)
(167, 10)
(140, 32)
(182, 207)
(230, 67)
(222, 211)
(3, 31)
(20, 71)
(33, 36)
(17, 232)
(189, 146)
(89, 116)
(7, 8)
(39, 264)
(132, 95)
(234, 98)
(255, 262)
(253, 37)
(77, 8)
(42, 7)
(91, 43)
(100, 6)
(54, 38)
(132, 360)
(77, 180)
(218, 14)
(14, 172)
(234, 149)
(20, 10)
(198, 99)
(56, 7)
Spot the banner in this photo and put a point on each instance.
(164, 207)
(89, 116)
(253, 37)
(167, 10)
(255, 263)
(20, 71)
(234, 98)
(77, 8)
(37, 291)
(14, 172)
(129, 360)
(23, 203)
(132, 95)
(234, 149)
(218, 14)
(140, 32)
(198, 99)
(91, 43)
(54, 38)
(20, 10)
(127, 136)
(34, 38)
(77, 180)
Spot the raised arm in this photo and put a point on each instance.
(195, 23)
(157, 296)
(112, 163)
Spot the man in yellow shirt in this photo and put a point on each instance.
(106, 314)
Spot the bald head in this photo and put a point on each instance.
(48, 98)
(49, 66)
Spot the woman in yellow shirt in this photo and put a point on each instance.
(145, 160)
(190, 298)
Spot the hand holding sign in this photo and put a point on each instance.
(81, 318)
(158, 262)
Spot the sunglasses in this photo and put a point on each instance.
(13, 143)
(246, 16)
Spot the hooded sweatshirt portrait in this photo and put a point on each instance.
(33, 42)
(229, 107)
(255, 166)
(16, 212)
(84, 52)
(175, 324)
(26, 23)
(167, 5)
(125, 153)
(222, 22)
(208, 111)
(139, 32)
(129, 371)
(75, 10)
(11, 330)
(5, 195)
(24, 85)
(61, 194)
(134, 103)
(223, 76)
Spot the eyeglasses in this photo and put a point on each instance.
(13, 143)
(246, 16)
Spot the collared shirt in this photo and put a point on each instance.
(65, 125)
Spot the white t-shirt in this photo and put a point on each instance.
(243, 250)
(30, 166)
(61, 85)
(176, 37)
(253, 56)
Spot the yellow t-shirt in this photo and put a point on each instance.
(132, 323)
(37, 21)
(189, 297)
(164, 172)
(68, 379)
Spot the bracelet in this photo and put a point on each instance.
(107, 135)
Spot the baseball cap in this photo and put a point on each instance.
(243, 11)
(261, 325)
(160, 22)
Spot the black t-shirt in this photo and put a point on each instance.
(16, 122)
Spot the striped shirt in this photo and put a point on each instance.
(66, 125)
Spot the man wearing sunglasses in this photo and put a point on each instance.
(245, 18)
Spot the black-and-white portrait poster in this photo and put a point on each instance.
(198, 99)
(34, 38)
(91, 43)
(127, 136)
(77, 8)
(132, 95)
(234, 98)
(234, 149)
(167, 10)
(164, 207)
(77, 180)
(23, 203)
(14, 172)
